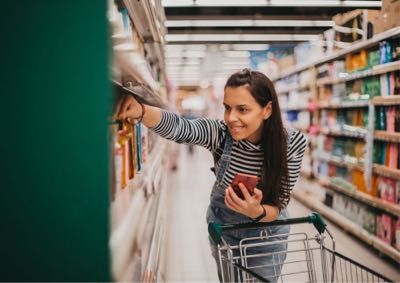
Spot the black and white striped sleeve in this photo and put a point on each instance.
(295, 153)
(204, 132)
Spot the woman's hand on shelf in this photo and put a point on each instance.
(129, 107)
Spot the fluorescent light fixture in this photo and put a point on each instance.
(271, 3)
(239, 47)
(248, 23)
(183, 70)
(237, 54)
(189, 69)
(181, 47)
(233, 68)
(239, 37)
(180, 54)
(182, 63)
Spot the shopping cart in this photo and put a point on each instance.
(308, 259)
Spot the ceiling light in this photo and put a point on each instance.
(248, 23)
(188, 53)
(182, 63)
(181, 47)
(250, 46)
(237, 54)
(271, 3)
(239, 37)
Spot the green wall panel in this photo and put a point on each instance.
(54, 166)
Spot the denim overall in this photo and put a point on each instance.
(220, 213)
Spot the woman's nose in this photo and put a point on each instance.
(231, 116)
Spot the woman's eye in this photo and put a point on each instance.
(242, 110)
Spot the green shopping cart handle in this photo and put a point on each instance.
(215, 230)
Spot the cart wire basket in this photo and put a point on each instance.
(306, 258)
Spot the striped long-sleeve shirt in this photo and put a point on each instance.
(245, 156)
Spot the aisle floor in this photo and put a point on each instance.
(187, 248)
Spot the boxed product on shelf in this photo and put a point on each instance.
(397, 119)
(356, 61)
(369, 220)
(371, 86)
(397, 201)
(321, 169)
(339, 91)
(386, 153)
(338, 147)
(342, 172)
(384, 228)
(385, 52)
(338, 69)
(380, 118)
(388, 83)
(379, 152)
(299, 120)
(373, 58)
(387, 189)
(286, 62)
(305, 77)
(397, 234)
(306, 50)
(324, 93)
(358, 180)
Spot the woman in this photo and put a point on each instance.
(250, 140)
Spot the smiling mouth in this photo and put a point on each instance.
(236, 129)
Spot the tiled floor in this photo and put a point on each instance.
(188, 253)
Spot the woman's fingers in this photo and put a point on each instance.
(229, 199)
(238, 201)
(125, 106)
(245, 192)
(118, 107)
(258, 195)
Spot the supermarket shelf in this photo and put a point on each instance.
(133, 64)
(346, 224)
(386, 100)
(293, 88)
(355, 47)
(340, 162)
(387, 136)
(376, 70)
(367, 199)
(344, 104)
(386, 68)
(295, 109)
(142, 93)
(386, 171)
(349, 77)
(356, 133)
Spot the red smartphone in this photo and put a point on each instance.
(249, 181)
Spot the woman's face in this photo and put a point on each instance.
(243, 115)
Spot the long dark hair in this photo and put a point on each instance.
(274, 173)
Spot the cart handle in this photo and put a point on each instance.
(215, 230)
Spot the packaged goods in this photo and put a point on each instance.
(384, 228)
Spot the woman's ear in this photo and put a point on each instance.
(268, 110)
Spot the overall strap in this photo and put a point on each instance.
(225, 158)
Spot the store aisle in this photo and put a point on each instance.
(189, 257)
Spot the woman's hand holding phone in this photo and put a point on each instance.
(249, 206)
